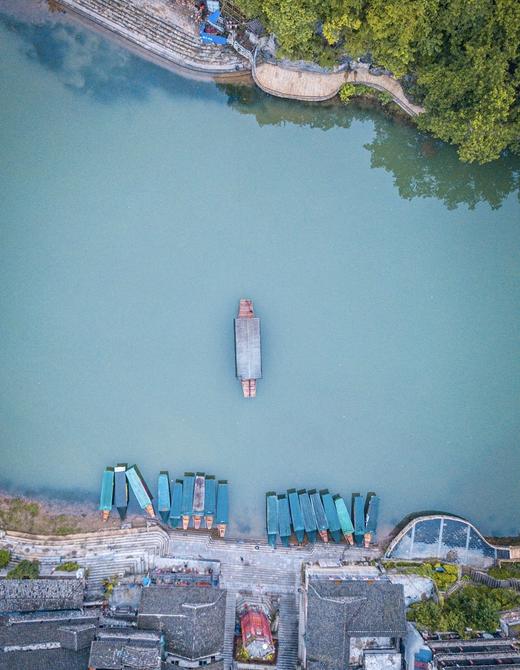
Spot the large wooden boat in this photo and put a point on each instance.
(222, 507)
(271, 517)
(198, 500)
(371, 517)
(331, 514)
(187, 499)
(121, 490)
(248, 357)
(106, 498)
(347, 528)
(296, 515)
(210, 501)
(163, 495)
(140, 490)
(321, 518)
(175, 511)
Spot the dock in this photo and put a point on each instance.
(106, 498)
(248, 357)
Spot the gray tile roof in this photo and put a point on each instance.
(44, 659)
(116, 655)
(29, 595)
(191, 618)
(339, 610)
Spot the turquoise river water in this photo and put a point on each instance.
(138, 207)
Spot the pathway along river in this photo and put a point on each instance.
(138, 207)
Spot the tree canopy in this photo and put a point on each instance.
(463, 57)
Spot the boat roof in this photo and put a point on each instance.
(372, 514)
(247, 348)
(137, 485)
(106, 497)
(343, 515)
(321, 517)
(175, 511)
(284, 517)
(309, 516)
(330, 511)
(358, 509)
(210, 496)
(198, 494)
(187, 493)
(272, 513)
(296, 511)
(120, 486)
(163, 492)
(222, 502)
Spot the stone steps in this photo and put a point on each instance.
(288, 634)
(229, 629)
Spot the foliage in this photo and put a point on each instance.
(25, 570)
(443, 574)
(109, 584)
(464, 57)
(470, 609)
(349, 91)
(69, 566)
(5, 557)
(505, 571)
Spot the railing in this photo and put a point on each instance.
(487, 580)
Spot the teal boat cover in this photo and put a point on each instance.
(319, 512)
(222, 503)
(296, 511)
(138, 487)
(372, 514)
(272, 514)
(163, 492)
(330, 512)
(345, 521)
(187, 493)
(309, 517)
(358, 512)
(284, 517)
(210, 497)
(106, 497)
(175, 511)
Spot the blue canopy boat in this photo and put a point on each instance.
(210, 501)
(309, 517)
(331, 514)
(106, 497)
(296, 515)
(140, 490)
(372, 514)
(187, 499)
(321, 519)
(163, 495)
(222, 507)
(272, 517)
(358, 512)
(175, 511)
(345, 521)
(199, 498)
(284, 519)
(121, 489)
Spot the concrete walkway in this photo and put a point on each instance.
(316, 86)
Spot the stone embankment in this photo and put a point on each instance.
(300, 84)
(163, 30)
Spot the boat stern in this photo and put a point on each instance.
(209, 522)
(221, 527)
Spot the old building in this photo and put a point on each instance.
(257, 639)
(489, 653)
(32, 595)
(191, 619)
(124, 649)
(350, 622)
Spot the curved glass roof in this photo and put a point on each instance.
(444, 537)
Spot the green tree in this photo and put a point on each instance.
(25, 570)
(5, 557)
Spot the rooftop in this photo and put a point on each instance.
(30, 595)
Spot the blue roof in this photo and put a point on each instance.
(321, 519)
(296, 511)
(107, 490)
(222, 502)
(120, 486)
(309, 517)
(163, 492)
(210, 500)
(187, 493)
(372, 514)
(284, 517)
(272, 513)
(175, 511)
(358, 512)
(330, 511)
(138, 487)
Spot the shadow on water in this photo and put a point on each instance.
(422, 167)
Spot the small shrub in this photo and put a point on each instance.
(5, 557)
(69, 566)
(346, 92)
(25, 570)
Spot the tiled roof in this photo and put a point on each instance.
(192, 618)
(114, 655)
(29, 595)
(339, 610)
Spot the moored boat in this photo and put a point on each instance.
(198, 499)
(175, 510)
(121, 489)
(106, 497)
(210, 501)
(284, 520)
(309, 517)
(358, 514)
(222, 516)
(331, 514)
(187, 499)
(140, 490)
(248, 357)
(296, 515)
(345, 521)
(271, 517)
(321, 518)
(371, 517)
(163, 495)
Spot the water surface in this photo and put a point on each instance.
(138, 207)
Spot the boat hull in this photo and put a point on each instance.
(185, 521)
(221, 527)
(271, 539)
(197, 521)
(285, 540)
(300, 536)
(104, 515)
(149, 510)
(209, 522)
